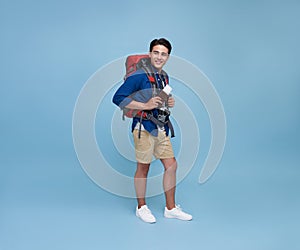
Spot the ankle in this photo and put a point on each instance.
(141, 204)
(170, 206)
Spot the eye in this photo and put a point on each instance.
(157, 53)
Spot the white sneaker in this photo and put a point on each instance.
(177, 213)
(144, 213)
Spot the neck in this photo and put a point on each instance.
(156, 69)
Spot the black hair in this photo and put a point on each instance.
(161, 41)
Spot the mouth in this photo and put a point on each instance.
(158, 62)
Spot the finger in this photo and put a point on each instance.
(159, 100)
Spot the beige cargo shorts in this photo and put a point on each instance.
(148, 146)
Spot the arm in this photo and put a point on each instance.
(153, 103)
(135, 93)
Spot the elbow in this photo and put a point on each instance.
(121, 102)
(116, 100)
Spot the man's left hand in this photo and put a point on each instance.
(171, 102)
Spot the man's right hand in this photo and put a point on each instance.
(153, 103)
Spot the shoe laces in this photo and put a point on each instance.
(146, 210)
(178, 208)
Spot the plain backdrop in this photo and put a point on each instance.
(250, 52)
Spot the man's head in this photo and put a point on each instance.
(159, 52)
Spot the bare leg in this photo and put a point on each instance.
(169, 181)
(140, 182)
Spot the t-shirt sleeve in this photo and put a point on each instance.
(135, 87)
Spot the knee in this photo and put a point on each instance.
(171, 166)
(143, 169)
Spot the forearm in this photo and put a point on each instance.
(154, 102)
(136, 105)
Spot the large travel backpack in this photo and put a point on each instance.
(135, 62)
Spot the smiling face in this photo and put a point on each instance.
(159, 56)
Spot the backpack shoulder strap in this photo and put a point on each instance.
(144, 64)
(165, 76)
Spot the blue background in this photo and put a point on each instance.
(248, 49)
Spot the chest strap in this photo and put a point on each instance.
(144, 115)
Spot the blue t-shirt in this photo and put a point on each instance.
(137, 87)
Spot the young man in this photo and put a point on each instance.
(151, 137)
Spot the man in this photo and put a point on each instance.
(151, 137)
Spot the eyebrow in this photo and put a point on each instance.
(163, 53)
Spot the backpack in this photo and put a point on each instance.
(135, 62)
